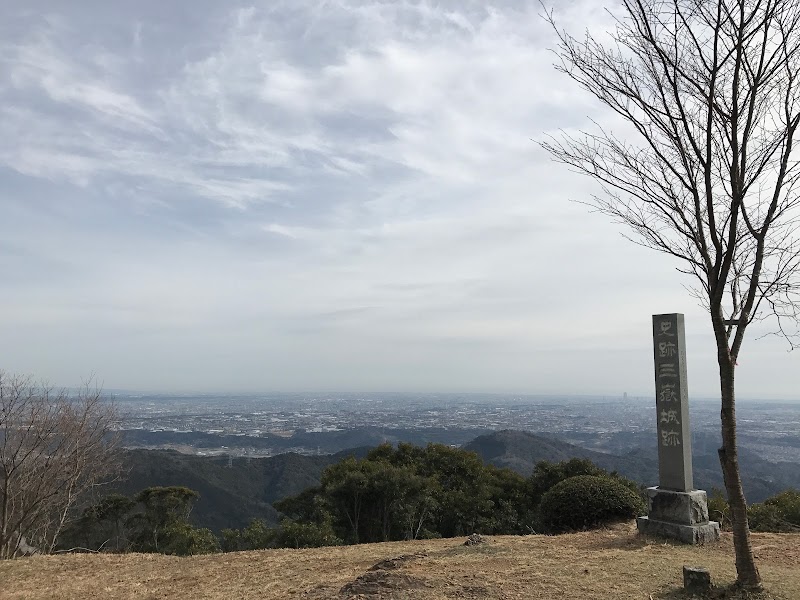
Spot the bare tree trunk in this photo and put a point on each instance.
(713, 89)
(748, 575)
(61, 519)
(4, 529)
(419, 523)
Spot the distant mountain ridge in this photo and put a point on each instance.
(327, 442)
(521, 450)
(234, 491)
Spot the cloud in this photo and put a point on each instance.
(240, 194)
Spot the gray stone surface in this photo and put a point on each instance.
(696, 580)
(675, 509)
(686, 508)
(704, 533)
(672, 403)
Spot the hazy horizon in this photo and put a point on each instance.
(366, 394)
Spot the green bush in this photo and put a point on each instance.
(182, 539)
(787, 504)
(780, 513)
(763, 517)
(256, 536)
(587, 501)
(546, 474)
(305, 535)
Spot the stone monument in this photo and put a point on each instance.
(675, 509)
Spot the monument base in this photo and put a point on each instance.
(703, 533)
(687, 508)
(681, 516)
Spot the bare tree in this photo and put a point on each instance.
(53, 449)
(711, 90)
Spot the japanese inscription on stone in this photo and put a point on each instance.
(672, 403)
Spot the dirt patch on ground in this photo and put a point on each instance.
(384, 580)
(613, 563)
(382, 584)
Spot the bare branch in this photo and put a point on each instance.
(54, 447)
(712, 90)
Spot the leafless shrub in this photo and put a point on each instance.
(54, 448)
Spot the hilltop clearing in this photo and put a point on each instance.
(612, 563)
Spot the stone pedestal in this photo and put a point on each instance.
(681, 516)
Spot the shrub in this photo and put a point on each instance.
(763, 517)
(230, 540)
(587, 501)
(546, 474)
(718, 509)
(788, 505)
(780, 513)
(184, 540)
(305, 535)
(258, 535)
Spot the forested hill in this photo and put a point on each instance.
(231, 492)
(236, 491)
(520, 451)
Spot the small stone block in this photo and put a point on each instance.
(696, 580)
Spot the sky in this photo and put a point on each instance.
(320, 195)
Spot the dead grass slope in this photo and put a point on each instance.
(612, 563)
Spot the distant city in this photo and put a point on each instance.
(608, 424)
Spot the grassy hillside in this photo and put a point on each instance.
(614, 563)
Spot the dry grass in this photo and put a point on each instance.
(613, 563)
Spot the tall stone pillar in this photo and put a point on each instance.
(675, 509)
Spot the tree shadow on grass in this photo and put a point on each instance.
(728, 592)
(629, 541)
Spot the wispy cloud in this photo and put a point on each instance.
(206, 193)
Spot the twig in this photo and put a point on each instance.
(78, 548)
